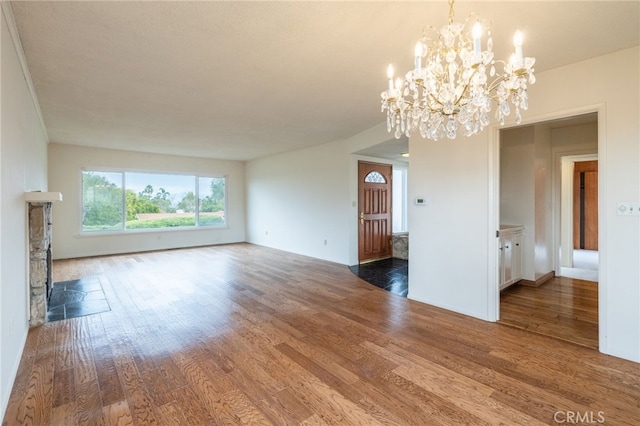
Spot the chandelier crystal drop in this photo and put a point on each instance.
(457, 85)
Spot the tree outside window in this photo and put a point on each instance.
(150, 201)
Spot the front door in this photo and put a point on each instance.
(374, 211)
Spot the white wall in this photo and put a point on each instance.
(299, 199)
(23, 157)
(65, 175)
(517, 190)
(452, 259)
(448, 257)
(526, 194)
(543, 207)
(576, 138)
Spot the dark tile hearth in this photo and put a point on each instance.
(388, 274)
(77, 298)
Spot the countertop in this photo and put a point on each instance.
(509, 229)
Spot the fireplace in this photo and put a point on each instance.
(40, 259)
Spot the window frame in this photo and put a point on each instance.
(376, 177)
(123, 230)
(403, 196)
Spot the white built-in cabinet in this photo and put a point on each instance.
(509, 255)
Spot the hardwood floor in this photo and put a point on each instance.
(242, 334)
(564, 308)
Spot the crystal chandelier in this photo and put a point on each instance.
(457, 84)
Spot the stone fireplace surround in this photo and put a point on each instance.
(40, 261)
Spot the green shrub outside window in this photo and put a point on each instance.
(122, 201)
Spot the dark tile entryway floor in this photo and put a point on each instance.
(77, 298)
(388, 274)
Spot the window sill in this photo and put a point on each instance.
(149, 231)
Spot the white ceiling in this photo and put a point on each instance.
(242, 80)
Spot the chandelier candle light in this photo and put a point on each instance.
(457, 84)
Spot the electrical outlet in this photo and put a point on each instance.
(628, 209)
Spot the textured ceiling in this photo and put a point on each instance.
(242, 80)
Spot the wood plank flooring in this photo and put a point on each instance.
(241, 334)
(564, 308)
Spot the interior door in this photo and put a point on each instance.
(585, 205)
(374, 211)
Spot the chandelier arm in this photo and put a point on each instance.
(434, 99)
(437, 102)
(439, 107)
(495, 83)
(435, 31)
(466, 88)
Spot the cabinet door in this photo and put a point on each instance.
(500, 263)
(505, 260)
(516, 258)
(507, 257)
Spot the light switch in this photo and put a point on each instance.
(628, 209)
(421, 201)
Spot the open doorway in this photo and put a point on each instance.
(579, 256)
(383, 262)
(375, 237)
(550, 191)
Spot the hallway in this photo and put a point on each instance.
(585, 266)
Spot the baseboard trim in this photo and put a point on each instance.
(537, 283)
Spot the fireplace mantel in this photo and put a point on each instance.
(42, 197)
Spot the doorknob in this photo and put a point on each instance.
(362, 218)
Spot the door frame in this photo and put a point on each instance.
(493, 291)
(353, 212)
